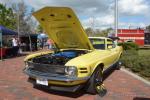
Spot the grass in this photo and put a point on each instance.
(144, 53)
(138, 62)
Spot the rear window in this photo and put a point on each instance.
(98, 43)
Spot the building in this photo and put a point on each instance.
(132, 35)
(147, 37)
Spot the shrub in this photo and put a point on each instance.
(145, 73)
(136, 68)
(137, 63)
(129, 58)
(145, 65)
(129, 46)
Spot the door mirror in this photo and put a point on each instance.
(110, 47)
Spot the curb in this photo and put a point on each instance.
(135, 76)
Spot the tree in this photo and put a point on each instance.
(7, 17)
(105, 32)
(25, 20)
(148, 28)
(89, 31)
(98, 32)
(39, 28)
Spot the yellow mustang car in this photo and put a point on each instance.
(78, 61)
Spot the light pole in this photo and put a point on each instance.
(18, 21)
(116, 18)
(18, 27)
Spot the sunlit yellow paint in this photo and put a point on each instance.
(67, 33)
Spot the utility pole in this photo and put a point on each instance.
(18, 21)
(116, 18)
(18, 30)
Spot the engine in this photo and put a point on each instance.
(59, 58)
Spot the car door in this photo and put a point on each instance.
(114, 51)
(100, 45)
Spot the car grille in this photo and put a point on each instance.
(46, 68)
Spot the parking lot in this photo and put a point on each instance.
(14, 86)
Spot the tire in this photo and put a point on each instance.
(95, 81)
(118, 65)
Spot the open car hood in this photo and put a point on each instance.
(63, 27)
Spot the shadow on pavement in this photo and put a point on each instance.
(108, 72)
(140, 98)
(74, 94)
(61, 93)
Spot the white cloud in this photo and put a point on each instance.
(133, 7)
(99, 22)
(9, 1)
(85, 10)
(132, 25)
(101, 10)
(4, 1)
(81, 7)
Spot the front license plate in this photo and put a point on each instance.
(42, 81)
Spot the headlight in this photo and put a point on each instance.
(71, 71)
(28, 64)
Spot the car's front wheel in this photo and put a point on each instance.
(95, 84)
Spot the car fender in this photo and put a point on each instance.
(96, 65)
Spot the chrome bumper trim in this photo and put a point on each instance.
(53, 77)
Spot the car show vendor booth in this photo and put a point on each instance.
(28, 42)
(5, 41)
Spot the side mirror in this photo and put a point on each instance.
(110, 47)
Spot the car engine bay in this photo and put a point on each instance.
(58, 58)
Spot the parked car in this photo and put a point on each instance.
(78, 61)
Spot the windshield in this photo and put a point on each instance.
(98, 43)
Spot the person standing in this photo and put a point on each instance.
(15, 46)
(14, 42)
(50, 44)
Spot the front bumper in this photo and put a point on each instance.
(54, 77)
(57, 81)
(73, 88)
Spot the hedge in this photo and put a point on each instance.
(137, 63)
(129, 46)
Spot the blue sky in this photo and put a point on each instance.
(100, 13)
